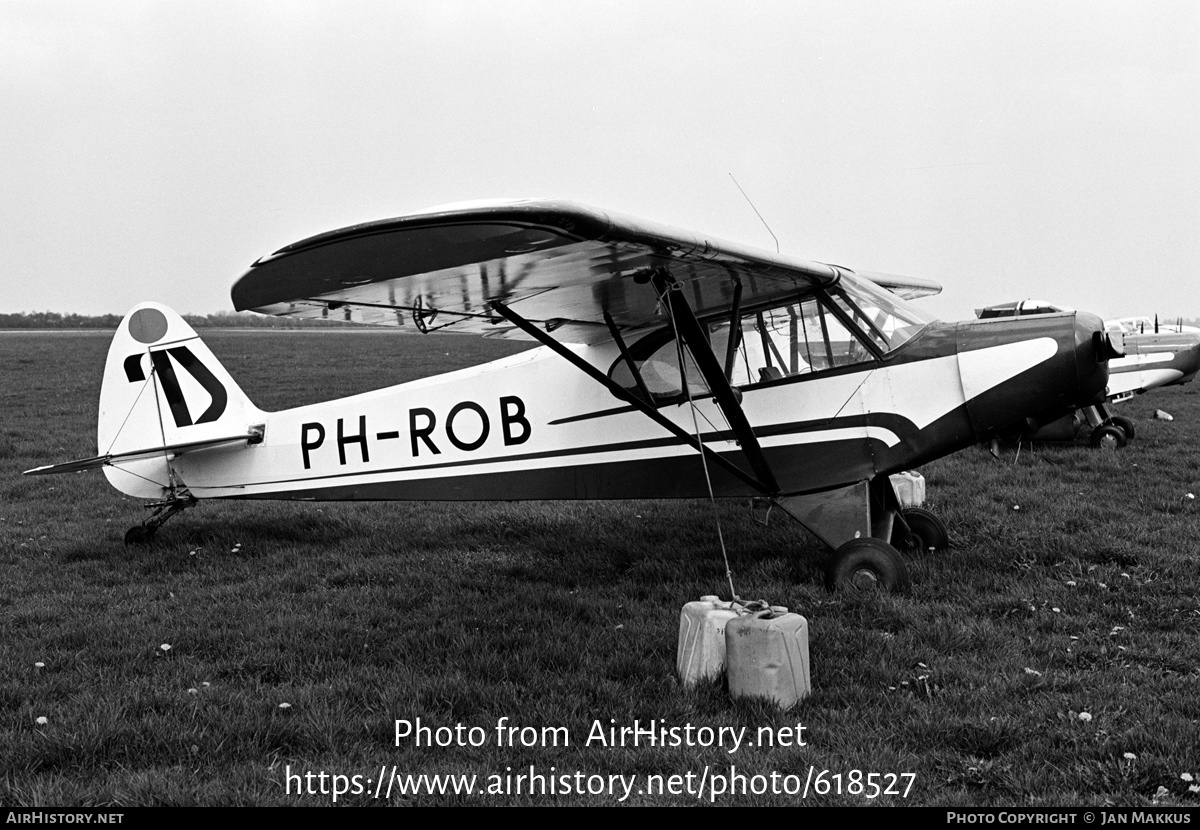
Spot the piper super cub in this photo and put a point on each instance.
(675, 365)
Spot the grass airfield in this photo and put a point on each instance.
(1051, 658)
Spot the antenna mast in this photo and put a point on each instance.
(759, 215)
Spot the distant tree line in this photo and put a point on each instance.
(224, 319)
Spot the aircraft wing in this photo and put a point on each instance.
(560, 265)
(907, 287)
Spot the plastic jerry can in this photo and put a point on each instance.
(766, 656)
(701, 653)
(910, 488)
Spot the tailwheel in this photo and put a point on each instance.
(866, 564)
(179, 500)
(1124, 424)
(139, 535)
(1109, 437)
(926, 532)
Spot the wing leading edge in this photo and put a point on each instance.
(561, 265)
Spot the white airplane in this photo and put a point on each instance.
(1148, 325)
(1166, 355)
(1151, 361)
(675, 365)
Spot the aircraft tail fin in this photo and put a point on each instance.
(164, 393)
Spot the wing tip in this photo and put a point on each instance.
(910, 288)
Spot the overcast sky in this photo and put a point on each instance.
(153, 150)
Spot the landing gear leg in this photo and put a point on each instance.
(864, 523)
(908, 529)
(143, 534)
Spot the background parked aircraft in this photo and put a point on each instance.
(1155, 355)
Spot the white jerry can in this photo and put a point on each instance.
(766, 656)
(701, 653)
(910, 488)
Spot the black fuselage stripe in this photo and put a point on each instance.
(895, 423)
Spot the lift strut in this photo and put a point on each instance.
(633, 399)
(688, 328)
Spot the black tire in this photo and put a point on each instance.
(139, 535)
(926, 531)
(866, 564)
(1108, 437)
(1125, 424)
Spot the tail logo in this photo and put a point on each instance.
(170, 383)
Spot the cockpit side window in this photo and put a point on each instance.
(853, 323)
(659, 371)
(794, 339)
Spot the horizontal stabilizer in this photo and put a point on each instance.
(171, 450)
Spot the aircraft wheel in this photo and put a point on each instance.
(139, 535)
(866, 564)
(1108, 437)
(926, 531)
(1125, 425)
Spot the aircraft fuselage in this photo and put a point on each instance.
(532, 426)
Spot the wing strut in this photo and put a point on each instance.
(735, 330)
(633, 369)
(630, 398)
(693, 334)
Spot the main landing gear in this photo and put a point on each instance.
(1109, 432)
(868, 563)
(1113, 433)
(926, 532)
(143, 534)
(867, 528)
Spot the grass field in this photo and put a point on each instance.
(1050, 658)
